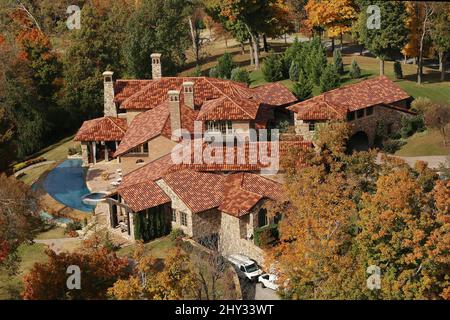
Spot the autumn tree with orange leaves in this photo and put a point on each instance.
(346, 213)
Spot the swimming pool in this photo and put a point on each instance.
(66, 184)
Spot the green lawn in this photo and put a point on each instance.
(427, 143)
(56, 152)
(12, 286)
(53, 233)
(157, 248)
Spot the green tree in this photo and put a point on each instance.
(225, 66)
(157, 27)
(355, 70)
(294, 71)
(240, 75)
(303, 87)
(337, 61)
(391, 37)
(398, 70)
(273, 68)
(440, 34)
(96, 47)
(329, 79)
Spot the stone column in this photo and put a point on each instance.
(110, 109)
(85, 153)
(132, 235)
(94, 152)
(156, 66)
(106, 152)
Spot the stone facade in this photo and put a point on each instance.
(206, 223)
(174, 109)
(85, 153)
(364, 120)
(110, 109)
(156, 66)
(188, 91)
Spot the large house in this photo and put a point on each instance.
(365, 105)
(222, 204)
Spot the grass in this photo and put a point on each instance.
(12, 286)
(427, 143)
(157, 248)
(53, 233)
(56, 152)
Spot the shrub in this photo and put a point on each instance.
(294, 71)
(225, 66)
(273, 68)
(329, 79)
(73, 226)
(355, 70)
(398, 70)
(266, 236)
(303, 88)
(240, 75)
(421, 104)
(337, 61)
(175, 234)
(23, 165)
(74, 150)
(411, 125)
(391, 146)
(213, 72)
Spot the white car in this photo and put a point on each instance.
(246, 266)
(268, 281)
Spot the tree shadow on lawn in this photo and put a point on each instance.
(430, 76)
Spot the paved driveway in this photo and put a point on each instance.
(254, 291)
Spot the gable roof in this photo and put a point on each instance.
(102, 129)
(274, 94)
(200, 191)
(336, 103)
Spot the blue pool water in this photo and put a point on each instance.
(66, 184)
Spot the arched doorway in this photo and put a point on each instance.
(358, 142)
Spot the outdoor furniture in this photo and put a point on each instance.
(115, 183)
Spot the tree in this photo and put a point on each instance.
(392, 35)
(437, 116)
(241, 75)
(100, 269)
(440, 34)
(337, 61)
(157, 27)
(19, 219)
(425, 21)
(294, 71)
(329, 79)
(173, 279)
(411, 49)
(273, 68)
(315, 60)
(355, 70)
(225, 66)
(303, 87)
(335, 16)
(398, 70)
(93, 49)
(196, 25)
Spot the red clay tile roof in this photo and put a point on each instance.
(123, 89)
(150, 172)
(102, 129)
(143, 128)
(336, 103)
(226, 108)
(274, 94)
(200, 191)
(142, 196)
(244, 190)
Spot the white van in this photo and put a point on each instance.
(246, 266)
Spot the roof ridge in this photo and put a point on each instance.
(115, 124)
(134, 94)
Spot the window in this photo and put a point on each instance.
(312, 126)
(145, 147)
(184, 221)
(174, 215)
(225, 127)
(351, 116)
(369, 111)
(262, 218)
(360, 113)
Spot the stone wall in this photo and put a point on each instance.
(367, 123)
(206, 223)
(85, 153)
(231, 241)
(110, 109)
(179, 206)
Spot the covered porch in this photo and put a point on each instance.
(94, 152)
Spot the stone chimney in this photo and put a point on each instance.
(156, 66)
(188, 91)
(174, 109)
(109, 108)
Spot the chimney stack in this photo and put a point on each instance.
(174, 109)
(156, 66)
(109, 108)
(188, 91)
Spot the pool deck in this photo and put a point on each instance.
(94, 177)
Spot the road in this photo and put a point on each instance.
(254, 291)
